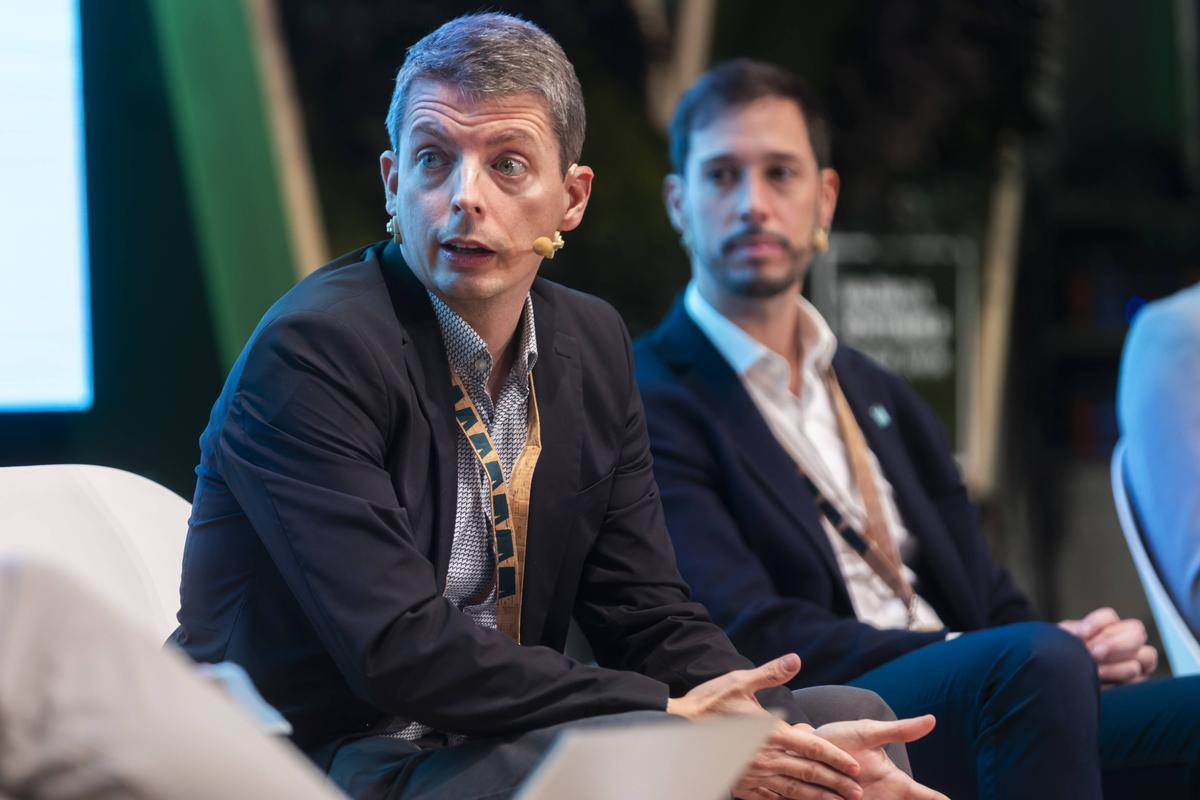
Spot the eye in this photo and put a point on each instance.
(430, 159)
(779, 172)
(509, 167)
(721, 175)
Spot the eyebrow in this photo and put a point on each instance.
(778, 155)
(430, 129)
(510, 136)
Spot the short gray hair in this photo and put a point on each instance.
(496, 54)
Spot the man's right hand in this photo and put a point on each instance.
(794, 762)
(793, 756)
(733, 692)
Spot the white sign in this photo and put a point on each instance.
(45, 336)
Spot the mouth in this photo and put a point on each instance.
(754, 245)
(465, 247)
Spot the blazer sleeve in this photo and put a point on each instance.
(303, 449)
(726, 573)
(929, 448)
(1159, 415)
(634, 607)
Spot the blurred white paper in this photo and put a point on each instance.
(667, 760)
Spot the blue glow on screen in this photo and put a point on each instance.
(45, 330)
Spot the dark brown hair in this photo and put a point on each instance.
(736, 83)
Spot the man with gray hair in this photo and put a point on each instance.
(408, 487)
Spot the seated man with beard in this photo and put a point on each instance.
(815, 507)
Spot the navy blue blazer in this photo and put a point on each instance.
(324, 513)
(746, 529)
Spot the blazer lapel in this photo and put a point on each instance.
(706, 372)
(431, 387)
(868, 401)
(558, 381)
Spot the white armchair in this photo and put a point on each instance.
(119, 534)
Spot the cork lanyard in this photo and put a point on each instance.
(509, 520)
(875, 545)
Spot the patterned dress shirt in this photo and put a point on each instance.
(470, 582)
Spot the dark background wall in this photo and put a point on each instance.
(922, 94)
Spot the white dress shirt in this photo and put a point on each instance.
(806, 426)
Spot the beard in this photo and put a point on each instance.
(748, 281)
(758, 287)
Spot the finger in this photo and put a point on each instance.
(873, 733)
(753, 793)
(800, 790)
(1147, 656)
(773, 673)
(777, 763)
(1097, 621)
(1119, 642)
(1120, 672)
(1072, 626)
(808, 744)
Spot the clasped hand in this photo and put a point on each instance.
(1118, 646)
(840, 760)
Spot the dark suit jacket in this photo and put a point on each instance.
(324, 513)
(747, 532)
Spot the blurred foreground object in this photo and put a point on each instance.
(90, 706)
(1182, 649)
(1160, 426)
(119, 534)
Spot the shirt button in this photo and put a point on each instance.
(481, 364)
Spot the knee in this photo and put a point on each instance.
(825, 704)
(1046, 654)
(822, 704)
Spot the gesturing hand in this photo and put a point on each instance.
(733, 692)
(879, 777)
(794, 762)
(1118, 646)
(842, 760)
(797, 763)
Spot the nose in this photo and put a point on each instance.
(752, 201)
(467, 197)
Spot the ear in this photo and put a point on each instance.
(391, 180)
(830, 183)
(579, 189)
(673, 200)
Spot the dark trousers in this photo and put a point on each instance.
(491, 769)
(1020, 715)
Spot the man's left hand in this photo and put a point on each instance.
(879, 777)
(1117, 645)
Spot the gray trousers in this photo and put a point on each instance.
(91, 707)
(490, 769)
